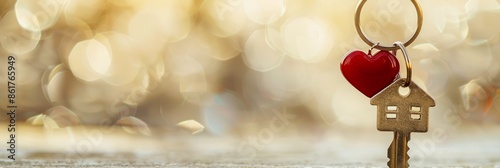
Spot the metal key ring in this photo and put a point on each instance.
(370, 43)
(400, 45)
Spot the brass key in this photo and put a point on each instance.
(402, 114)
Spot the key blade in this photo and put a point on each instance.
(390, 153)
(398, 151)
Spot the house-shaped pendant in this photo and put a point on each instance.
(404, 113)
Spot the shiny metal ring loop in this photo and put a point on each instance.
(371, 48)
(370, 43)
(400, 45)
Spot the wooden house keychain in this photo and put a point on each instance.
(377, 77)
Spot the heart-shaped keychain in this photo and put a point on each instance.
(370, 74)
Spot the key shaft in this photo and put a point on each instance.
(398, 150)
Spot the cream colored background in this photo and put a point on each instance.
(229, 65)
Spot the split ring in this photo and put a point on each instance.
(370, 43)
(400, 45)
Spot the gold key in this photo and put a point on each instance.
(402, 114)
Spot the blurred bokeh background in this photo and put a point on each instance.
(248, 75)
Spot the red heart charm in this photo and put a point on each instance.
(370, 74)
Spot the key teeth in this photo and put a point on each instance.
(407, 156)
(389, 151)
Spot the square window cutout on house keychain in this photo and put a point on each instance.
(377, 77)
